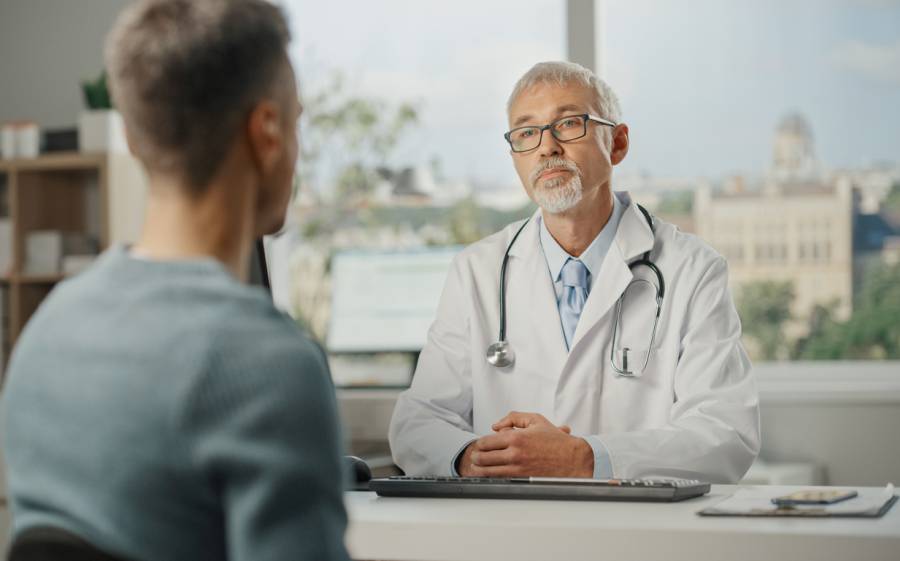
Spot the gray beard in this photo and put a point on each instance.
(559, 194)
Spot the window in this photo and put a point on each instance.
(402, 137)
(752, 99)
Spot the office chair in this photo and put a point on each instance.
(54, 544)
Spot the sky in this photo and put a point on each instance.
(702, 83)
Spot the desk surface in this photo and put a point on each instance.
(481, 530)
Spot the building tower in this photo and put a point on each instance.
(793, 156)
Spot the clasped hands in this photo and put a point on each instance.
(527, 445)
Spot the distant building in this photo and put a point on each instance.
(793, 153)
(890, 252)
(873, 182)
(416, 187)
(796, 227)
(801, 233)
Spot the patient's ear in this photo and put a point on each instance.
(264, 136)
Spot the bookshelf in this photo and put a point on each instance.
(68, 193)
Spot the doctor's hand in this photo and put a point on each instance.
(527, 444)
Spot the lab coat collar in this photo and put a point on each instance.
(530, 285)
(634, 235)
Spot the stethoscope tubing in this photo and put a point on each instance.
(644, 260)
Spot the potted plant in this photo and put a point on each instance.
(100, 127)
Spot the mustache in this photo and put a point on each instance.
(553, 163)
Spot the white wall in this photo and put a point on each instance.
(843, 416)
(854, 443)
(47, 47)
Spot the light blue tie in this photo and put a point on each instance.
(576, 281)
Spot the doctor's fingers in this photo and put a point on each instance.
(520, 420)
(506, 470)
(497, 441)
(508, 456)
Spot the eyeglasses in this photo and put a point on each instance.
(564, 129)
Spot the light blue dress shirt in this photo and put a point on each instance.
(592, 257)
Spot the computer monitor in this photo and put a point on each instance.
(385, 301)
(259, 270)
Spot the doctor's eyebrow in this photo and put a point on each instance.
(559, 112)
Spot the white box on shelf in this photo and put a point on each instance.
(28, 140)
(43, 252)
(6, 246)
(101, 131)
(8, 142)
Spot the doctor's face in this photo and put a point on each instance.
(562, 176)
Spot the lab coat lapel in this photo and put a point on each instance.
(530, 286)
(633, 238)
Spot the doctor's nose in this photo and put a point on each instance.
(549, 146)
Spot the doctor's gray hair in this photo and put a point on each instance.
(561, 73)
(185, 74)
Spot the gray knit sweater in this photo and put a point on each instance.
(164, 412)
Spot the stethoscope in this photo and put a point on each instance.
(501, 355)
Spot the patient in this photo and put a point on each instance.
(158, 407)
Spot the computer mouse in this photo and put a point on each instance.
(357, 469)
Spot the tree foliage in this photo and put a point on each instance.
(346, 137)
(873, 330)
(764, 308)
(891, 206)
(677, 203)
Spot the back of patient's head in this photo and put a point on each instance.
(186, 73)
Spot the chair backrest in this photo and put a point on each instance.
(54, 544)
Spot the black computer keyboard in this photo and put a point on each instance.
(559, 488)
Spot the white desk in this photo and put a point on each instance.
(480, 530)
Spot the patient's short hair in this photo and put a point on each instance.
(185, 74)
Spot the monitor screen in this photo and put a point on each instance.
(385, 301)
(258, 273)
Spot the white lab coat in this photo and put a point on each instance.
(693, 412)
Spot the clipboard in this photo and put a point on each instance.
(870, 503)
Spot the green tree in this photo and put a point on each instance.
(873, 330)
(764, 308)
(466, 222)
(891, 206)
(677, 203)
(352, 135)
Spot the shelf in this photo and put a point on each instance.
(32, 279)
(39, 279)
(66, 192)
(55, 161)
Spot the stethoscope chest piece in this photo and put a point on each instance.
(501, 355)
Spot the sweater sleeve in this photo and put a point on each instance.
(263, 431)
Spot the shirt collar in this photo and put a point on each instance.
(593, 256)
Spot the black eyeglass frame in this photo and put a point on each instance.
(586, 116)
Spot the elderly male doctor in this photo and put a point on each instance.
(684, 404)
